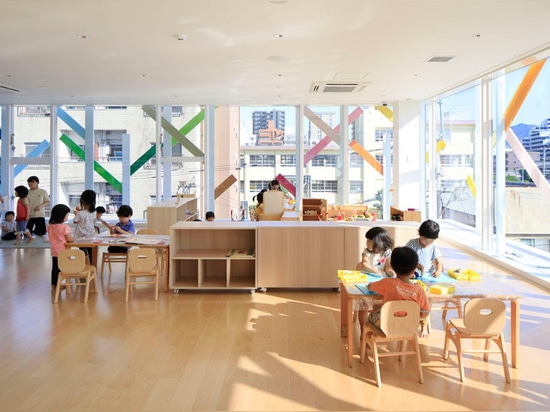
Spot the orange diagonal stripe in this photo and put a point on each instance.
(521, 93)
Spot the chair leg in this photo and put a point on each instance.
(446, 344)
(87, 291)
(157, 287)
(500, 342)
(376, 363)
(57, 288)
(127, 288)
(418, 360)
(459, 355)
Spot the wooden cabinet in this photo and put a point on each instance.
(305, 254)
(162, 215)
(314, 209)
(200, 258)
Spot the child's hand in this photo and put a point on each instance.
(436, 274)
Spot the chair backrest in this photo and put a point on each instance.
(485, 316)
(71, 261)
(399, 318)
(274, 202)
(147, 232)
(142, 260)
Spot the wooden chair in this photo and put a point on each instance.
(163, 255)
(399, 321)
(142, 268)
(72, 266)
(484, 318)
(112, 257)
(273, 205)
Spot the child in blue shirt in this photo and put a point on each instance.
(124, 226)
(428, 252)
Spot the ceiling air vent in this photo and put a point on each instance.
(6, 89)
(439, 59)
(337, 87)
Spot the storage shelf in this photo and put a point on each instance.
(209, 267)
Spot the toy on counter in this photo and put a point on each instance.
(352, 276)
(467, 274)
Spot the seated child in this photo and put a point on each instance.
(428, 252)
(125, 226)
(9, 227)
(210, 216)
(376, 256)
(99, 211)
(404, 262)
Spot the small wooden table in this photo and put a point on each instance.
(464, 290)
(159, 242)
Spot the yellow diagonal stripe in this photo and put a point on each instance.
(471, 185)
(386, 111)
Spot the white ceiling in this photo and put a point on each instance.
(131, 53)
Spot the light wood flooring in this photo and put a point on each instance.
(232, 351)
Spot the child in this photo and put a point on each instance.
(59, 233)
(125, 226)
(85, 215)
(404, 262)
(84, 218)
(99, 211)
(210, 216)
(376, 256)
(428, 253)
(23, 214)
(9, 226)
(38, 200)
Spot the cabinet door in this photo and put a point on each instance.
(300, 256)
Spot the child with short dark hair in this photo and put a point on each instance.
(428, 252)
(23, 214)
(124, 226)
(99, 211)
(404, 262)
(210, 216)
(9, 226)
(38, 200)
(59, 233)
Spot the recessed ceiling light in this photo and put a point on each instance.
(476, 35)
(279, 75)
(82, 36)
(7, 75)
(278, 35)
(181, 37)
(143, 75)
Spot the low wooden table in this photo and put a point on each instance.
(491, 286)
(148, 241)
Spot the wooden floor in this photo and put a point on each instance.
(232, 351)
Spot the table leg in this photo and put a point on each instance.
(93, 256)
(343, 312)
(349, 305)
(515, 333)
(166, 269)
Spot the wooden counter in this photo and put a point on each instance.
(286, 254)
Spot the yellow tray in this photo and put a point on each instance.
(466, 274)
(352, 276)
(442, 289)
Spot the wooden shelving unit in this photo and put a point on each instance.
(162, 215)
(198, 255)
(313, 208)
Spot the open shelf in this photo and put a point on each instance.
(200, 256)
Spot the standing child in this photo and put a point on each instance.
(84, 218)
(404, 261)
(59, 233)
(9, 226)
(38, 200)
(125, 226)
(377, 255)
(428, 252)
(23, 214)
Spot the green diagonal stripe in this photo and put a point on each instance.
(100, 170)
(179, 135)
(149, 154)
